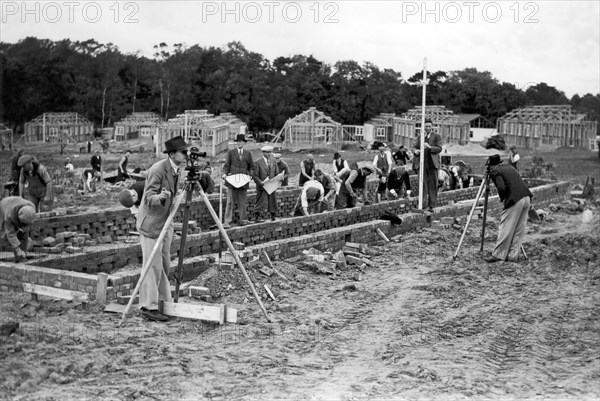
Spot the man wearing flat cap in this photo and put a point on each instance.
(352, 181)
(237, 161)
(39, 183)
(516, 196)
(16, 215)
(265, 169)
(161, 187)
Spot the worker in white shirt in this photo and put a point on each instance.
(383, 163)
(310, 199)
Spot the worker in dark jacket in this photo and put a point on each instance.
(516, 197)
(16, 215)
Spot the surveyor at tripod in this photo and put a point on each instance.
(160, 190)
(516, 196)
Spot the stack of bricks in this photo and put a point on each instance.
(66, 241)
(111, 222)
(12, 276)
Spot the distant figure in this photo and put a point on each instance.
(513, 157)
(282, 166)
(264, 169)
(237, 161)
(89, 179)
(96, 161)
(122, 173)
(307, 169)
(15, 171)
(340, 166)
(69, 168)
(89, 145)
(39, 183)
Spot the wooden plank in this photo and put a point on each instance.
(382, 235)
(55, 292)
(230, 314)
(101, 288)
(211, 313)
(269, 292)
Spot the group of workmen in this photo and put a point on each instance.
(320, 191)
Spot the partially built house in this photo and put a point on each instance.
(309, 130)
(209, 133)
(141, 126)
(547, 128)
(59, 128)
(450, 126)
(380, 128)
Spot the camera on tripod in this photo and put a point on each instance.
(193, 165)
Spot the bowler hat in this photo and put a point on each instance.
(174, 144)
(240, 138)
(23, 160)
(495, 160)
(336, 155)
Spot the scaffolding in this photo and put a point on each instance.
(450, 126)
(6, 137)
(209, 133)
(310, 130)
(547, 128)
(141, 126)
(58, 128)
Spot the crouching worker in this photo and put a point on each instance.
(16, 215)
(310, 199)
(159, 194)
(352, 181)
(399, 182)
(89, 179)
(133, 196)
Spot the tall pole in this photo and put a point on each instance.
(422, 139)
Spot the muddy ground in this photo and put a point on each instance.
(414, 326)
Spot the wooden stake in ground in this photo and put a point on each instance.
(382, 235)
(157, 246)
(268, 259)
(422, 150)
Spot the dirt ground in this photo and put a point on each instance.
(416, 325)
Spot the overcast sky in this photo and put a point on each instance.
(524, 42)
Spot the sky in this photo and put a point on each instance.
(520, 42)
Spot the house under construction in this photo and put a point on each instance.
(59, 128)
(547, 128)
(452, 128)
(209, 133)
(141, 126)
(309, 130)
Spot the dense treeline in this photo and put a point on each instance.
(100, 82)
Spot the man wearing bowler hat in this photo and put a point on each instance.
(237, 161)
(159, 192)
(516, 198)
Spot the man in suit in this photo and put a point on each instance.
(237, 161)
(16, 215)
(516, 198)
(433, 147)
(155, 207)
(265, 167)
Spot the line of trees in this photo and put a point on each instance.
(104, 84)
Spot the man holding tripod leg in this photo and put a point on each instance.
(516, 196)
(155, 207)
